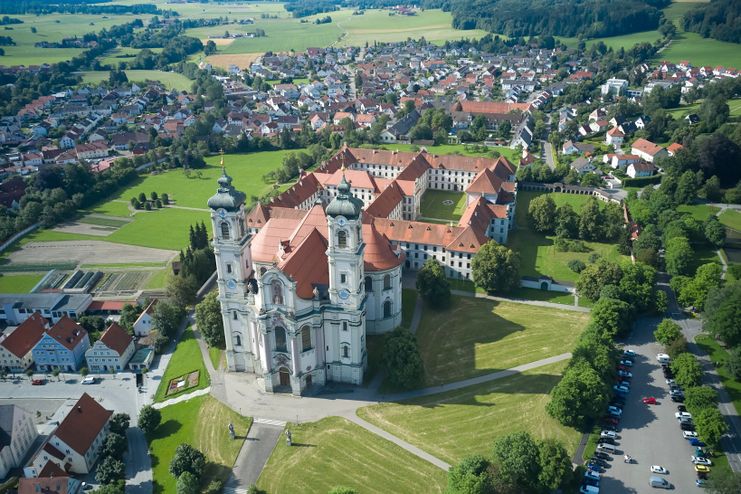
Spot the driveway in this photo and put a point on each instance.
(649, 433)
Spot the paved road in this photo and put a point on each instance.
(548, 150)
(258, 445)
(138, 463)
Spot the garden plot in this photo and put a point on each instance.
(122, 282)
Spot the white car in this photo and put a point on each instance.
(629, 353)
(670, 382)
(700, 460)
(89, 380)
(682, 415)
(610, 434)
(663, 358)
(658, 469)
(689, 434)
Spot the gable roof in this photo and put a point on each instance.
(307, 264)
(647, 147)
(486, 182)
(83, 424)
(67, 332)
(378, 254)
(116, 338)
(24, 338)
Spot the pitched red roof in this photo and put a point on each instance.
(489, 107)
(307, 264)
(646, 146)
(83, 424)
(45, 485)
(386, 201)
(116, 338)
(378, 256)
(67, 332)
(25, 336)
(486, 182)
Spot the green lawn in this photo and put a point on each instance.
(165, 228)
(462, 149)
(158, 280)
(433, 205)
(202, 422)
(616, 42)
(122, 54)
(544, 295)
(408, 302)
(703, 254)
(187, 358)
(700, 212)
(335, 452)
(719, 355)
(479, 336)
(730, 218)
(468, 421)
(702, 51)
(524, 197)
(171, 80)
(19, 283)
(215, 355)
(111, 221)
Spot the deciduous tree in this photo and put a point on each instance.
(555, 465)
(579, 397)
(614, 316)
(187, 459)
(678, 256)
(149, 419)
(433, 285)
(595, 276)
(496, 268)
(542, 214)
(711, 425)
(722, 317)
(209, 320)
(518, 458)
(667, 331)
(687, 370)
(110, 470)
(402, 360)
(471, 476)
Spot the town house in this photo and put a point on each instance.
(63, 347)
(16, 347)
(112, 351)
(17, 434)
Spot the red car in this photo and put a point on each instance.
(650, 400)
(37, 382)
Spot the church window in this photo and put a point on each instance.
(343, 278)
(387, 309)
(280, 339)
(237, 340)
(262, 271)
(234, 315)
(228, 267)
(344, 325)
(342, 239)
(368, 284)
(224, 230)
(345, 351)
(276, 292)
(386, 282)
(306, 339)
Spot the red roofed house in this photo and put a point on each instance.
(674, 148)
(63, 346)
(112, 351)
(648, 150)
(615, 137)
(55, 484)
(75, 445)
(143, 324)
(304, 279)
(16, 347)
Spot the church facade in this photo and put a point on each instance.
(302, 281)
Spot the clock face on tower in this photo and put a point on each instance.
(342, 221)
(231, 284)
(222, 213)
(344, 294)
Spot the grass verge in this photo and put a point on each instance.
(186, 358)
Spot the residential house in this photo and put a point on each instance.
(75, 445)
(622, 161)
(54, 481)
(17, 434)
(16, 346)
(91, 150)
(583, 165)
(615, 137)
(648, 150)
(143, 324)
(63, 346)
(614, 86)
(640, 169)
(142, 359)
(674, 148)
(112, 351)
(571, 147)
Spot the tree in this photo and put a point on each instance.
(117, 487)
(210, 48)
(402, 360)
(167, 317)
(579, 398)
(614, 316)
(142, 197)
(595, 276)
(84, 371)
(567, 222)
(695, 291)
(733, 363)
(678, 256)
(187, 459)
(711, 425)
(119, 423)
(687, 370)
(698, 397)
(676, 347)
(715, 232)
(555, 465)
(187, 483)
(518, 458)
(110, 470)
(149, 419)
(722, 316)
(542, 214)
(433, 285)
(55, 372)
(637, 287)
(595, 351)
(209, 320)
(711, 189)
(686, 190)
(591, 222)
(471, 476)
(667, 331)
(182, 289)
(496, 268)
(129, 315)
(115, 446)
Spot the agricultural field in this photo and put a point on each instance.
(468, 421)
(443, 205)
(122, 54)
(171, 80)
(479, 336)
(203, 423)
(335, 452)
(702, 51)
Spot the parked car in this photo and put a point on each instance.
(89, 380)
(610, 434)
(620, 389)
(682, 415)
(696, 442)
(38, 382)
(659, 469)
(626, 362)
(689, 434)
(700, 482)
(678, 398)
(597, 461)
(622, 368)
(606, 440)
(681, 408)
(701, 460)
(702, 468)
(663, 358)
(614, 411)
(670, 382)
(687, 426)
(625, 374)
(649, 400)
(659, 482)
(589, 474)
(628, 353)
(602, 456)
(611, 420)
(588, 489)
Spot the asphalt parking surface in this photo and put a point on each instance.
(649, 433)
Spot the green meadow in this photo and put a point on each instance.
(171, 80)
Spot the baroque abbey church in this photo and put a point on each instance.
(303, 280)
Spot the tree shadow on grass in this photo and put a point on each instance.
(215, 471)
(166, 429)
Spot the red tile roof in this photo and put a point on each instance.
(378, 256)
(307, 264)
(45, 485)
(68, 332)
(109, 305)
(25, 336)
(486, 182)
(489, 107)
(386, 201)
(83, 423)
(646, 146)
(116, 338)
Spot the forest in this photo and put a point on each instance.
(719, 19)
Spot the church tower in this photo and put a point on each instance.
(234, 269)
(344, 324)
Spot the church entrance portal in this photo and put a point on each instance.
(285, 377)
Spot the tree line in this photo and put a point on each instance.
(43, 7)
(717, 19)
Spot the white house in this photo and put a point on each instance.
(143, 324)
(614, 86)
(640, 169)
(112, 351)
(583, 165)
(648, 150)
(17, 434)
(16, 347)
(75, 445)
(614, 137)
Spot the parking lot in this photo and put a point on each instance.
(649, 433)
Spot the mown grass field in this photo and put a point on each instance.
(702, 51)
(171, 80)
(730, 218)
(700, 212)
(122, 54)
(203, 423)
(187, 358)
(433, 205)
(335, 452)
(479, 336)
(18, 283)
(462, 149)
(468, 421)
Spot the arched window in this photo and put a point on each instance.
(280, 339)
(387, 309)
(224, 229)
(342, 239)
(276, 292)
(237, 340)
(305, 338)
(345, 351)
(368, 284)
(386, 282)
